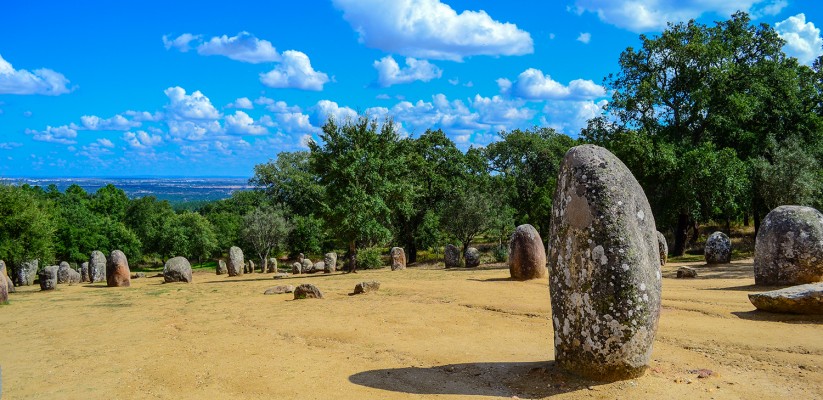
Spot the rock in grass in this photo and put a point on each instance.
(117, 270)
(26, 272)
(97, 267)
(65, 274)
(84, 272)
(663, 247)
(398, 258)
(472, 257)
(138, 275)
(48, 277)
(604, 268)
(686, 272)
(718, 249)
(235, 264)
(801, 299)
(296, 268)
(281, 275)
(221, 268)
(788, 249)
(451, 256)
(307, 291)
(272, 265)
(280, 289)
(306, 266)
(177, 269)
(527, 256)
(366, 287)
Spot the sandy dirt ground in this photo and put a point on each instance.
(428, 333)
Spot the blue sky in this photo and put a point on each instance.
(211, 88)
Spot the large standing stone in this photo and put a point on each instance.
(221, 267)
(26, 272)
(84, 272)
(65, 274)
(235, 261)
(272, 266)
(398, 258)
(718, 249)
(307, 265)
(663, 247)
(97, 267)
(4, 286)
(117, 270)
(604, 265)
(330, 262)
(177, 269)
(5, 273)
(48, 277)
(527, 256)
(472, 257)
(307, 291)
(788, 249)
(451, 256)
(801, 299)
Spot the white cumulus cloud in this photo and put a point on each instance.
(142, 139)
(802, 38)
(242, 124)
(243, 103)
(61, 134)
(389, 72)
(295, 71)
(327, 108)
(584, 37)
(243, 47)
(195, 106)
(40, 81)
(115, 123)
(181, 43)
(532, 84)
(432, 30)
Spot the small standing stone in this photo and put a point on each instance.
(26, 272)
(472, 257)
(366, 287)
(527, 256)
(251, 266)
(307, 266)
(307, 291)
(330, 262)
(4, 286)
(177, 269)
(65, 274)
(318, 267)
(296, 268)
(451, 256)
(48, 277)
(788, 249)
(718, 249)
(686, 272)
(221, 267)
(84, 272)
(398, 258)
(235, 261)
(97, 267)
(117, 270)
(663, 247)
(5, 273)
(272, 266)
(280, 289)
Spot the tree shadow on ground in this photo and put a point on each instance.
(504, 379)
(494, 280)
(270, 278)
(757, 315)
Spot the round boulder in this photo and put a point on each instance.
(788, 249)
(235, 261)
(48, 277)
(604, 262)
(330, 262)
(221, 267)
(307, 265)
(527, 256)
(472, 257)
(26, 272)
(398, 258)
(451, 256)
(177, 269)
(117, 270)
(663, 247)
(97, 267)
(65, 274)
(718, 249)
(307, 291)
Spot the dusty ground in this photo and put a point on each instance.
(428, 333)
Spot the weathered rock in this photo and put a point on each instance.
(221, 267)
(801, 299)
(472, 257)
(718, 249)
(398, 258)
(251, 266)
(307, 291)
(4, 286)
(5, 273)
(272, 265)
(281, 275)
(686, 272)
(10, 285)
(307, 266)
(48, 277)
(235, 263)
(788, 249)
(65, 274)
(663, 247)
(330, 262)
(366, 287)
(604, 265)
(300, 257)
(319, 266)
(527, 256)
(117, 270)
(280, 289)
(97, 267)
(138, 275)
(177, 269)
(451, 256)
(26, 272)
(84, 272)
(297, 268)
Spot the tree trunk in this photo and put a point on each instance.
(352, 257)
(695, 232)
(746, 219)
(680, 234)
(463, 252)
(728, 226)
(264, 263)
(756, 223)
(412, 252)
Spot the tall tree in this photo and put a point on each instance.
(26, 227)
(266, 229)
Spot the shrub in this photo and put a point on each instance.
(369, 258)
(501, 253)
